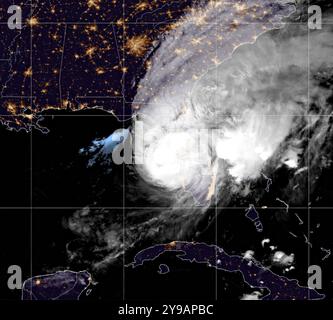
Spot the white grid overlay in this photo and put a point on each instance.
(124, 208)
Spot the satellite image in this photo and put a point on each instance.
(166, 150)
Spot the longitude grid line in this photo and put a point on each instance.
(309, 149)
(31, 150)
(61, 65)
(216, 211)
(124, 190)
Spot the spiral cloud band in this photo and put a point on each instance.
(214, 72)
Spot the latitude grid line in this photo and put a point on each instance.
(131, 115)
(154, 23)
(161, 208)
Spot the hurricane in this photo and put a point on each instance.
(214, 104)
(234, 91)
